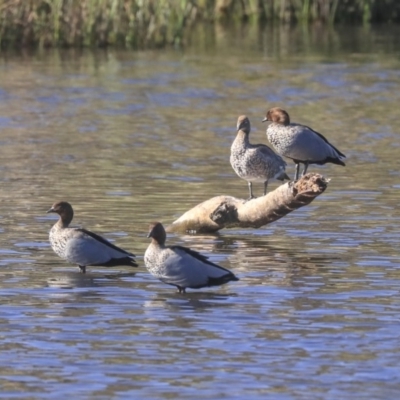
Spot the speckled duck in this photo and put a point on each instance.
(254, 162)
(299, 142)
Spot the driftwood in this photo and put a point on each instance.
(228, 212)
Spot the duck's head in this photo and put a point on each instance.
(157, 233)
(243, 124)
(277, 115)
(64, 210)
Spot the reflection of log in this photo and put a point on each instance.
(228, 212)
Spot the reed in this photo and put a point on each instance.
(156, 23)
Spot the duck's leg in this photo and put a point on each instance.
(265, 187)
(250, 191)
(82, 268)
(181, 289)
(305, 168)
(297, 170)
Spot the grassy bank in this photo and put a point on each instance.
(156, 23)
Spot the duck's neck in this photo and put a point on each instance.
(279, 124)
(155, 243)
(62, 224)
(242, 138)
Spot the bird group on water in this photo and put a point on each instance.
(180, 266)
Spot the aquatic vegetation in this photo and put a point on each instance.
(157, 23)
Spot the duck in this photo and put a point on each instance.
(82, 247)
(180, 266)
(254, 162)
(299, 142)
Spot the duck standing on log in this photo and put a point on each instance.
(299, 142)
(254, 162)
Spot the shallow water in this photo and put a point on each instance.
(129, 138)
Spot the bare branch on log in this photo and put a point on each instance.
(228, 212)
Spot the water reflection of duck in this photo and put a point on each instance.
(267, 261)
(82, 247)
(298, 142)
(261, 259)
(180, 266)
(254, 162)
(68, 280)
(199, 301)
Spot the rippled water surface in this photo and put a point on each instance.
(130, 138)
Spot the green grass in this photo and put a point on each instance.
(157, 23)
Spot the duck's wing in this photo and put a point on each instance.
(104, 241)
(324, 139)
(196, 255)
(87, 248)
(266, 151)
(188, 268)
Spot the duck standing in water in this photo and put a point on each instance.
(299, 142)
(82, 247)
(254, 162)
(180, 266)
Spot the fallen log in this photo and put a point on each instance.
(228, 212)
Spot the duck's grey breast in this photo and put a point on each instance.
(259, 166)
(285, 139)
(247, 165)
(154, 258)
(58, 241)
(240, 162)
